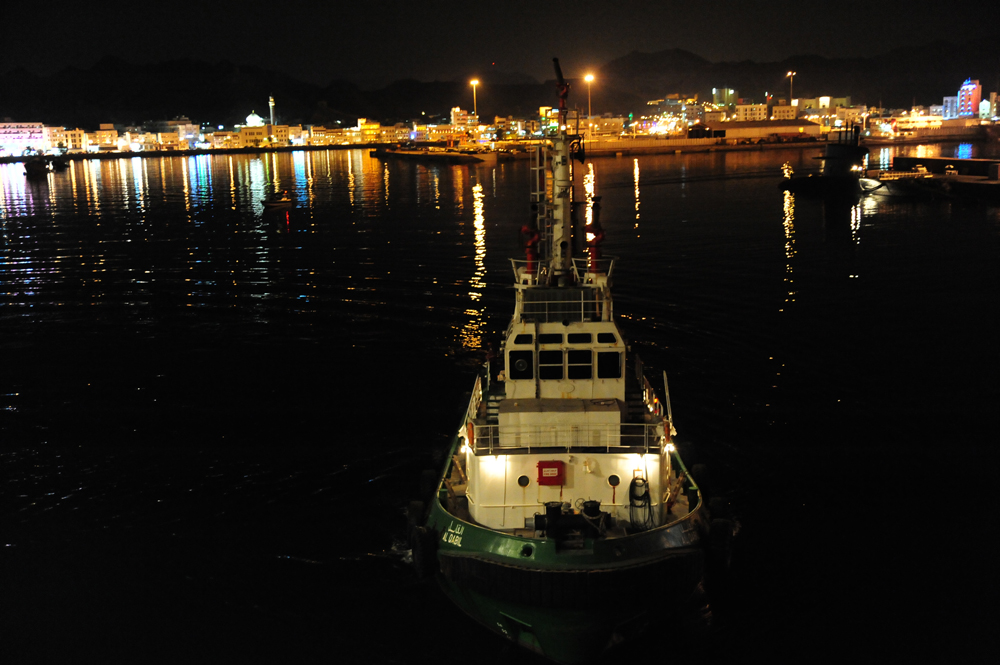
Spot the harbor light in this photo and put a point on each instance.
(589, 78)
(474, 83)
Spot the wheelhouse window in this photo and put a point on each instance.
(550, 364)
(579, 364)
(609, 365)
(523, 339)
(550, 338)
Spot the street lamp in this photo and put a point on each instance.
(589, 78)
(791, 83)
(474, 83)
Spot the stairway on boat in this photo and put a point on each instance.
(493, 399)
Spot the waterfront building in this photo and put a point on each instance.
(916, 119)
(784, 112)
(278, 135)
(950, 105)
(320, 135)
(750, 112)
(104, 139)
(398, 133)
(254, 136)
(296, 135)
(16, 138)
(224, 140)
(368, 131)
(170, 141)
(62, 139)
(969, 96)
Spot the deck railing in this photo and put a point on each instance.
(628, 437)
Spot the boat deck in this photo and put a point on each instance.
(458, 505)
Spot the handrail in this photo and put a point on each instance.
(624, 437)
(476, 399)
(581, 266)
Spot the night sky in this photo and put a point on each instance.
(375, 42)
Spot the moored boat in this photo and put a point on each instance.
(430, 154)
(37, 167)
(564, 518)
(841, 171)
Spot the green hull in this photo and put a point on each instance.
(568, 606)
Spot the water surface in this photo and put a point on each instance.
(214, 414)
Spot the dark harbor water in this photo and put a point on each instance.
(213, 414)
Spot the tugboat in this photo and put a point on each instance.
(564, 518)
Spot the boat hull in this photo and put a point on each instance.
(568, 605)
(571, 634)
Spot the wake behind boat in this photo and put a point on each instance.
(564, 517)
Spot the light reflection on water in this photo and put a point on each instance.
(191, 232)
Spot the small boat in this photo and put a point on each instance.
(37, 167)
(429, 154)
(282, 200)
(918, 183)
(564, 518)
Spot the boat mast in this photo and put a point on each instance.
(561, 247)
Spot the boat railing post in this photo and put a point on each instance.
(666, 398)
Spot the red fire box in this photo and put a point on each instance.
(551, 472)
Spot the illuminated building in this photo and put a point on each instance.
(369, 132)
(950, 108)
(398, 133)
(917, 120)
(223, 140)
(750, 112)
(969, 96)
(784, 112)
(170, 141)
(103, 140)
(255, 136)
(18, 137)
(60, 138)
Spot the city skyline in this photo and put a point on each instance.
(387, 40)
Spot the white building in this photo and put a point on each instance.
(750, 112)
(18, 137)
